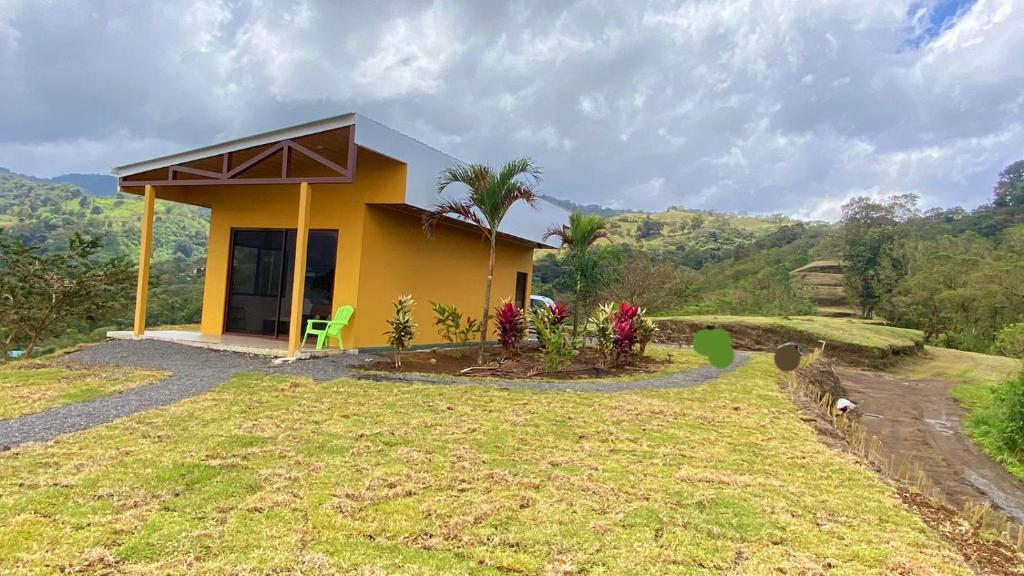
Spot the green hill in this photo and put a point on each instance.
(692, 238)
(46, 214)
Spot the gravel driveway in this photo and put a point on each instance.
(197, 370)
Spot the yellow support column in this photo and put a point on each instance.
(299, 275)
(145, 252)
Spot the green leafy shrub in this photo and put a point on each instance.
(1009, 398)
(620, 332)
(554, 333)
(1010, 341)
(646, 328)
(402, 327)
(450, 324)
(599, 327)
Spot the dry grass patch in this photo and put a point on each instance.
(275, 475)
(29, 387)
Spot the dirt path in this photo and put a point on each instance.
(920, 420)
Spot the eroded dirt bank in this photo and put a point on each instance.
(985, 555)
(920, 420)
(760, 338)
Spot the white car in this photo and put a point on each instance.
(537, 301)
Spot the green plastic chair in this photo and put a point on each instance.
(330, 329)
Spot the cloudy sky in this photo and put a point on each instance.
(764, 105)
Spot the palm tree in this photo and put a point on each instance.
(491, 194)
(585, 262)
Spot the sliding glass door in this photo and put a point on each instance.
(260, 280)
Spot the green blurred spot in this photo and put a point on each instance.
(716, 345)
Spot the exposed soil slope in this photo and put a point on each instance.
(985, 555)
(852, 342)
(920, 420)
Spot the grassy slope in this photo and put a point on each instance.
(849, 330)
(26, 388)
(678, 228)
(975, 374)
(45, 214)
(401, 479)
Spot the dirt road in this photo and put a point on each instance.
(921, 420)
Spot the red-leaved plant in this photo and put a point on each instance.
(511, 326)
(559, 314)
(624, 333)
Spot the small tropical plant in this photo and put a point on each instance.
(599, 327)
(450, 325)
(402, 327)
(646, 329)
(511, 327)
(624, 332)
(554, 333)
(491, 194)
(559, 313)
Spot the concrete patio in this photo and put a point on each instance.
(228, 342)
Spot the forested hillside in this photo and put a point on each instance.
(687, 261)
(46, 214)
(956, 274)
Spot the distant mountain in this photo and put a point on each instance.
(101, 185)
(584, 208)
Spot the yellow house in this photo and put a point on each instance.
(309, 218)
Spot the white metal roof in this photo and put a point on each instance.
(423, 162)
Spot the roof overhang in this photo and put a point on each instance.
(263, 139)
(318, 152)
(324, 151)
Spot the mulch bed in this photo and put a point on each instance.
(452, 362)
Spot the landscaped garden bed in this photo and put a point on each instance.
(586, 364)
(612, 343)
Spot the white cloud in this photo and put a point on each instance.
(767, 106)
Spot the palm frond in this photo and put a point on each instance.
(560, 232)
(490, 196)
(514, 169)
(445, 208)
(582, 231)
(474, 176)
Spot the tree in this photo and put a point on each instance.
(870, 234)
(43, 293)
(1009, 189)
(656, 286)
(649, 228)
(585, 261)
(491, 194)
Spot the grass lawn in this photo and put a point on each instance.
(267, 474)
(976, 375)
(849, 330)
(27, 387)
